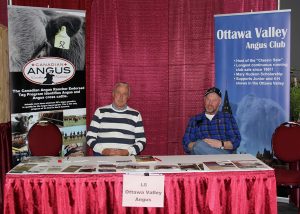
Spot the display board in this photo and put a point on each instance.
(47, 72)
(252, 55)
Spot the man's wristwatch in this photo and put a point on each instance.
(222, 147)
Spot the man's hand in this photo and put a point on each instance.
(217, 143)
(213, 142)
(115, 152)
(190, 146)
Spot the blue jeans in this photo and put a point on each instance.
(202, 148)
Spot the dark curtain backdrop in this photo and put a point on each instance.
(3, 12)
(163, 48)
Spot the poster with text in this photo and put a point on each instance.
(47, 73)
(252, 56)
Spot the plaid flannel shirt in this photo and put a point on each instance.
(222, 127)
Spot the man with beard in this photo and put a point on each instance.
(213, 131)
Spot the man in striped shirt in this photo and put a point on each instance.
(117, 129)
(212, 132)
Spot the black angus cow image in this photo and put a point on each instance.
(32, 35)
(20, 126)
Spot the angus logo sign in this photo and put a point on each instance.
(48, 71)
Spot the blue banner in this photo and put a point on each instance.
(252, 57)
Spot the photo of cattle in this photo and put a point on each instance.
(21, 124)
(33, 33)
(74, 140)
(74, 132)
(72, 124)
(74, 117)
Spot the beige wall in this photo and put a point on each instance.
(4, 76)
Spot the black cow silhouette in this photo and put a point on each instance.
(49, 78)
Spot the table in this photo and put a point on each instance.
(250, 191)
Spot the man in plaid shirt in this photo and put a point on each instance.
(213, 131)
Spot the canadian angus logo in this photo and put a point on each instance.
(48, 71)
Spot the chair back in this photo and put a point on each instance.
(286, 142)
(44, 139)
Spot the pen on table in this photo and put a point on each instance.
(157, 159)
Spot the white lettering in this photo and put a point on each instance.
(228, 34)
(271, 32)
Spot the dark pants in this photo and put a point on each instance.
(96, 154)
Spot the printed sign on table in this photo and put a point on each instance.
(143, 191)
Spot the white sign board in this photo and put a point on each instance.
(143, 191)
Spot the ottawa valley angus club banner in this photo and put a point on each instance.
(252, 56)
(47, 73)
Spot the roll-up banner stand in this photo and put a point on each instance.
(252, 56)
(47, 75)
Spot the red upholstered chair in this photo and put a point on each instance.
(286, 147)
(44, 139)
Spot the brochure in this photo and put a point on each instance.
(72, 168)
(54, 169)
(88, 168)
(133, 167)
(22, 168)
(38, 169)
(220, 165)
(145, 158)
(248, 164)
(189, 167)
(38, 159)
(166, 167)
(107, 168)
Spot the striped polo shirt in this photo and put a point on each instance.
(119, 129)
